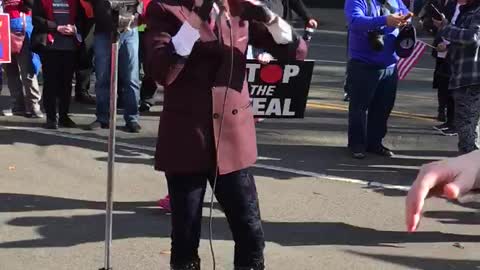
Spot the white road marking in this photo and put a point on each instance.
(315, 175)
(431, 158)
(331, 177)
(321, 31)
(327, 45)
(362, 170)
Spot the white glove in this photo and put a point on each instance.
(185, 39)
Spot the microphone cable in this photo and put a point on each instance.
(229, 82)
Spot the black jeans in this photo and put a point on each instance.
(237, 194)
(445, 100)
(441, 79)
(84, 67)
(467, 116)
(57, 69)
(372, 93)
(149, 86)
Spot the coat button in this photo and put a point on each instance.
(234, 111)
(216, 116)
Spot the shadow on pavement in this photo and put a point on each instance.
(387, 192)
(95, 142)
(422, 262)
(455, 217)
(320, 160)
(337, 161)
(139, 219)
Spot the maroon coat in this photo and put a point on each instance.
(195, 90)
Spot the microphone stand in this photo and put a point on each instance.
(111, 140)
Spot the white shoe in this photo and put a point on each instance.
(7, 112)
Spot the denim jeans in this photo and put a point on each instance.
(372, 93)
(237, 194)
(22, 81)
(128, 75)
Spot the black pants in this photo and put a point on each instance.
(149, 86)
(345, 81)
(372, 93)
(82, 79)
(57, 69)
(84, 67)
(445, 100)
(237, 194)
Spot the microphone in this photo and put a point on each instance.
(223, 11)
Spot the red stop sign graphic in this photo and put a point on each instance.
(271, 73)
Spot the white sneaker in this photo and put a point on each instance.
(36, 113)
(11, 112)
(7, 112)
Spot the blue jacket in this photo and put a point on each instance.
(16, 25)
(361, 20)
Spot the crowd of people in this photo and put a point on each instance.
(372, 81)
(59, 40)
(455, 77)
(67, 38)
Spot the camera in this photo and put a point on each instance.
(122, 14)
(427, 14)
(375, 39)
(118, 5)
(308, 33)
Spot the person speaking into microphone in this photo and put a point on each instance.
(196, 50)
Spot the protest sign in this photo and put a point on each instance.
(5, 56)
(279, 90)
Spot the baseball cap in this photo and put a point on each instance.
(406, 40)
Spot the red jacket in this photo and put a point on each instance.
(144, 4)
(15, 7)
(87, 6)
(195, 90)
(72, 6)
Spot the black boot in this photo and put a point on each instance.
(442, 115)
(188, 266)
(84, 97)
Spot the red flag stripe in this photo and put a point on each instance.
(404, 62)
(405, 65)
(408, 63)
(415, 60)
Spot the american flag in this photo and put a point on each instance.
(406, 64)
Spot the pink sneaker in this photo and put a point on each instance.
(165, 203)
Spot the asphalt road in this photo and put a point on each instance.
(321, 209)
